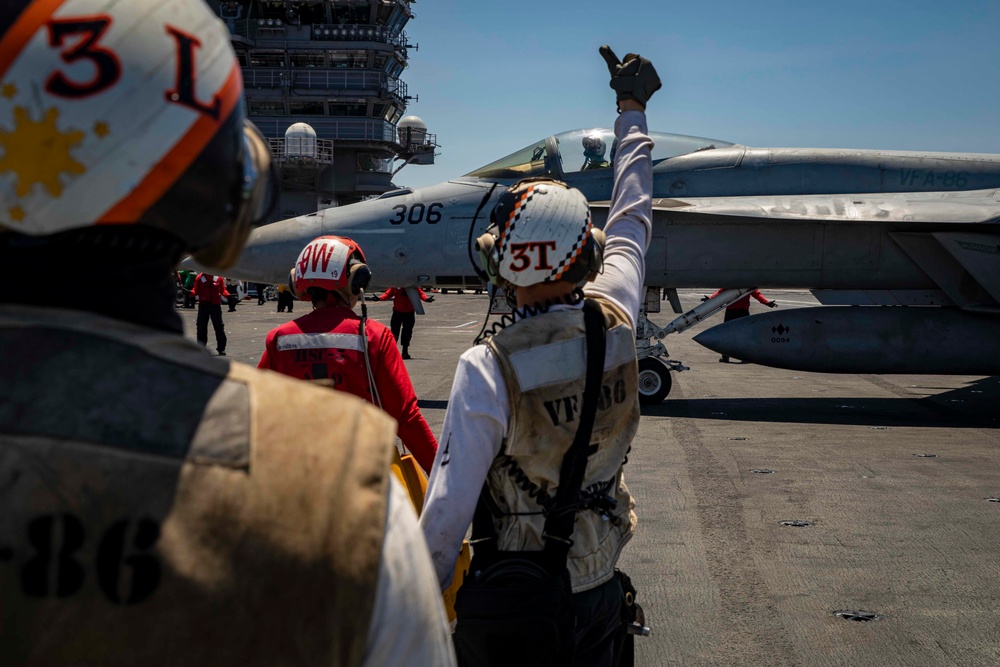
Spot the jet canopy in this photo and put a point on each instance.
(577, 150)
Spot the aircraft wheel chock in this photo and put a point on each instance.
(654, 381)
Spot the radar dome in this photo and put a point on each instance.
(300, 141)
(412, 130)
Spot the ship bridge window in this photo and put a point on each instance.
(348, 109)
(526, 162)
(348, 59)
(306, 108)
(356, 14)
(266, 107)
(306, 59)
(267, 59)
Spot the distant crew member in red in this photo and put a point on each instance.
(403, 314)
(210, 291)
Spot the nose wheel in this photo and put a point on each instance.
(654, 381)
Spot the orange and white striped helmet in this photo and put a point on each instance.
(125, 112)
(541, 231)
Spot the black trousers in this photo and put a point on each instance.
(735, 314)
(206, 312)
(598, 622)
(404, 321)
(285, 300)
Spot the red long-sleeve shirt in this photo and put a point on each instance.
(210, 289)
(326, 344)
(400, 299)
(743, 303)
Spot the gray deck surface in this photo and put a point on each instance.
(896, 532)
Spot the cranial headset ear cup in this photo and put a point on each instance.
(598, 238)
(291, 284)
(486, 246)
(359, 277)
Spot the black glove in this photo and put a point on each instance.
(772, 304)
(430, 299)
(371, 297)
(705, 298)
(635, 78)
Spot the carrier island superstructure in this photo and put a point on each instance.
(322, 82)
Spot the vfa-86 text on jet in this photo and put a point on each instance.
(858, 227)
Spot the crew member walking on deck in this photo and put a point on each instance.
(515, 402)
(210, 290)
(404, 315)
(334, 346)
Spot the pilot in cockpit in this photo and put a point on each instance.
(593, 153)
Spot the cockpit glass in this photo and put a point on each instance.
(585, 150)
(526, 162)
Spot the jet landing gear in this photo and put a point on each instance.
(654, 381)
(654, 364)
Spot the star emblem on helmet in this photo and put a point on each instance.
(37, 153)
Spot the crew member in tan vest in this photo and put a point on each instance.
(514, 404)
(164, 506)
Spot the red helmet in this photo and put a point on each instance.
(332, 263)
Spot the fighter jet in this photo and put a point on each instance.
(909, 238)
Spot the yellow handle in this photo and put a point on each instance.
(414, 480)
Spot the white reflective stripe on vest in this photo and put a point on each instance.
(316, 341)
(564, 361)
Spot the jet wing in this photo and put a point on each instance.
(932, 229)
(979, 206)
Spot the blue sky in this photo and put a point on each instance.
(493, 77)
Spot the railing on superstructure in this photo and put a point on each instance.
(307, 78)
(303, 150)
(344, 129)
(259, 28)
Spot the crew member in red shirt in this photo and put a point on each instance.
(210, 290)
(741, 308)
(403, 314)
(332, 345)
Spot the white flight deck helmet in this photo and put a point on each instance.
(541, 231)
(127, 115)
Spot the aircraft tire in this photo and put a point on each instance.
(654, 381)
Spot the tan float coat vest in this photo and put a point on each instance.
(163, 507)
(542, 360)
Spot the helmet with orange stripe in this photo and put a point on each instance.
(540, 232)
(125, 120)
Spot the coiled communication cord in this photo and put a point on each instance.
(571, 299)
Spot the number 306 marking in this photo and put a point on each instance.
(431, 214)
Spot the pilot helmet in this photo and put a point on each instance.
(541, 231)
(127, 123)
(333, 264)
(594, 147)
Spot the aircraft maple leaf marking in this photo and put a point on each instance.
(37, 153)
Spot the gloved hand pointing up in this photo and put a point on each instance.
(634, 78)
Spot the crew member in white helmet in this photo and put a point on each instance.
(162, 506)
(515, 402)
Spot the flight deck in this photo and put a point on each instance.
(785, 518)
